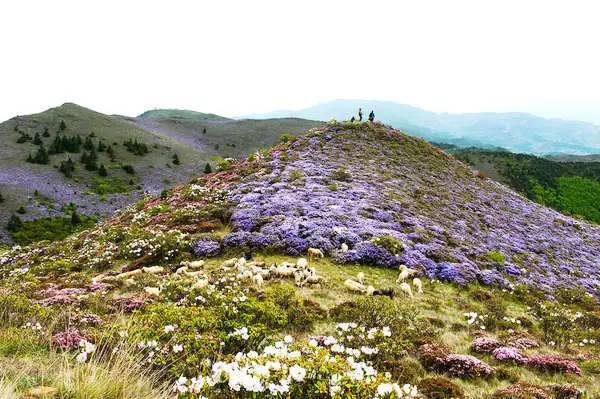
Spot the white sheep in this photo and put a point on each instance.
(360, 277)
(370, 290)
(405, 273)
(344, 248)
(197, 264)
(404, 287)
(257, 280)
(314, 279)
(418, 285)
(302, 263)
(201, 283)
(314, 253)
(284, 270)
(229, 263)
(355, 286)
(153, 291)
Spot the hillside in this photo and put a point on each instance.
(155, 138)
(220, 136)
(148, 301)
(517, 132)
(571, 187)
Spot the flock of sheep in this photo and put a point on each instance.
(303, 274)
(256, 272)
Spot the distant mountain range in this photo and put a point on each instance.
(517, 132)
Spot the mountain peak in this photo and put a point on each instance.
(179, 114)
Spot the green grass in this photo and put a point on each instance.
(110, 185)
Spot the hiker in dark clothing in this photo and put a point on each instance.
(352, 120)
(360, 114)
(372, 116)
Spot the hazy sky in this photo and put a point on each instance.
(238, 57)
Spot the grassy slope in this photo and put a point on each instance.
(441, 304)
(234, 138)
(570, 186)
(171, 131)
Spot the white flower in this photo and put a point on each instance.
(82, 357)
(297, 373)
(288, 339)
(169, 328)
(177, 348)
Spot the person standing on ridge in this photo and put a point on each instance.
(360, 114)
(372, 116)
(352, 120)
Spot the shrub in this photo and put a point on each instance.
(341, 174)
(390, 244)
(206, 247)
(567, 391)
(406, 369)
(522, 390)
(466, 366)
(439, 388)
(554, 364)
(496, 257)
(485, 345)
(509, 354)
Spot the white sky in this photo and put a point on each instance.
(238, 57)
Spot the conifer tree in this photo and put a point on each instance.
(207, 168)
(75, 218)
(176, 160)
(46, 132)
(62, 126)
(37, 140)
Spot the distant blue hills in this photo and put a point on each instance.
(514, 131)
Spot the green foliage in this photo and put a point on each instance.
(18, 309)
(109, 185)
(14, 223)
(129, 169)
(67, 167)
(286, 138)
(51, 229)
(295, 174)
(62, 143)
(21, 210)
(176, 160)
(496, 257)
(341, 174)
(102, 171)
(207, 168)
(392, 245)
(41, 156)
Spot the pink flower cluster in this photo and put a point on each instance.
(509, 354)
(68, 339)
(554, 364)
(466, 366)
(485, 345)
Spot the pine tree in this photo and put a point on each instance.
(88, 144)
(62, 126)
(1, 198)
(176, 160)
(102, 171)
(41, 157)
(204, 131)
(207, 168)
(37, 140)
(14, 223)
(90, 163)
(101, 146)
(46, 132)
(30, 159)
(21, 210)
(111, 153)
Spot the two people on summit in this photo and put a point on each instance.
(360, 115)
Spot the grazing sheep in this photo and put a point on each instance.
(194, 274)
(360, 277)
(315, 279)
(284, 270)
(370, 290)
(344, 247)
(389, 292)
(197, 264)
(153, 269)
(246, 275)
(355, 286)
(404, 287)
(405, 273)
(153, 291)
(314, 253)
(418, 285)
(229, 263)
(182, 270)
(302, 263)
(257, 280)
(299, 278)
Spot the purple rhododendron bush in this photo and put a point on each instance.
(422, 280)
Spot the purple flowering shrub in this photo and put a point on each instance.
(466, 366)
(509, 354)
(67, 340)
(554, 364)
(206, 248)
(485, 344)
(435, 357)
